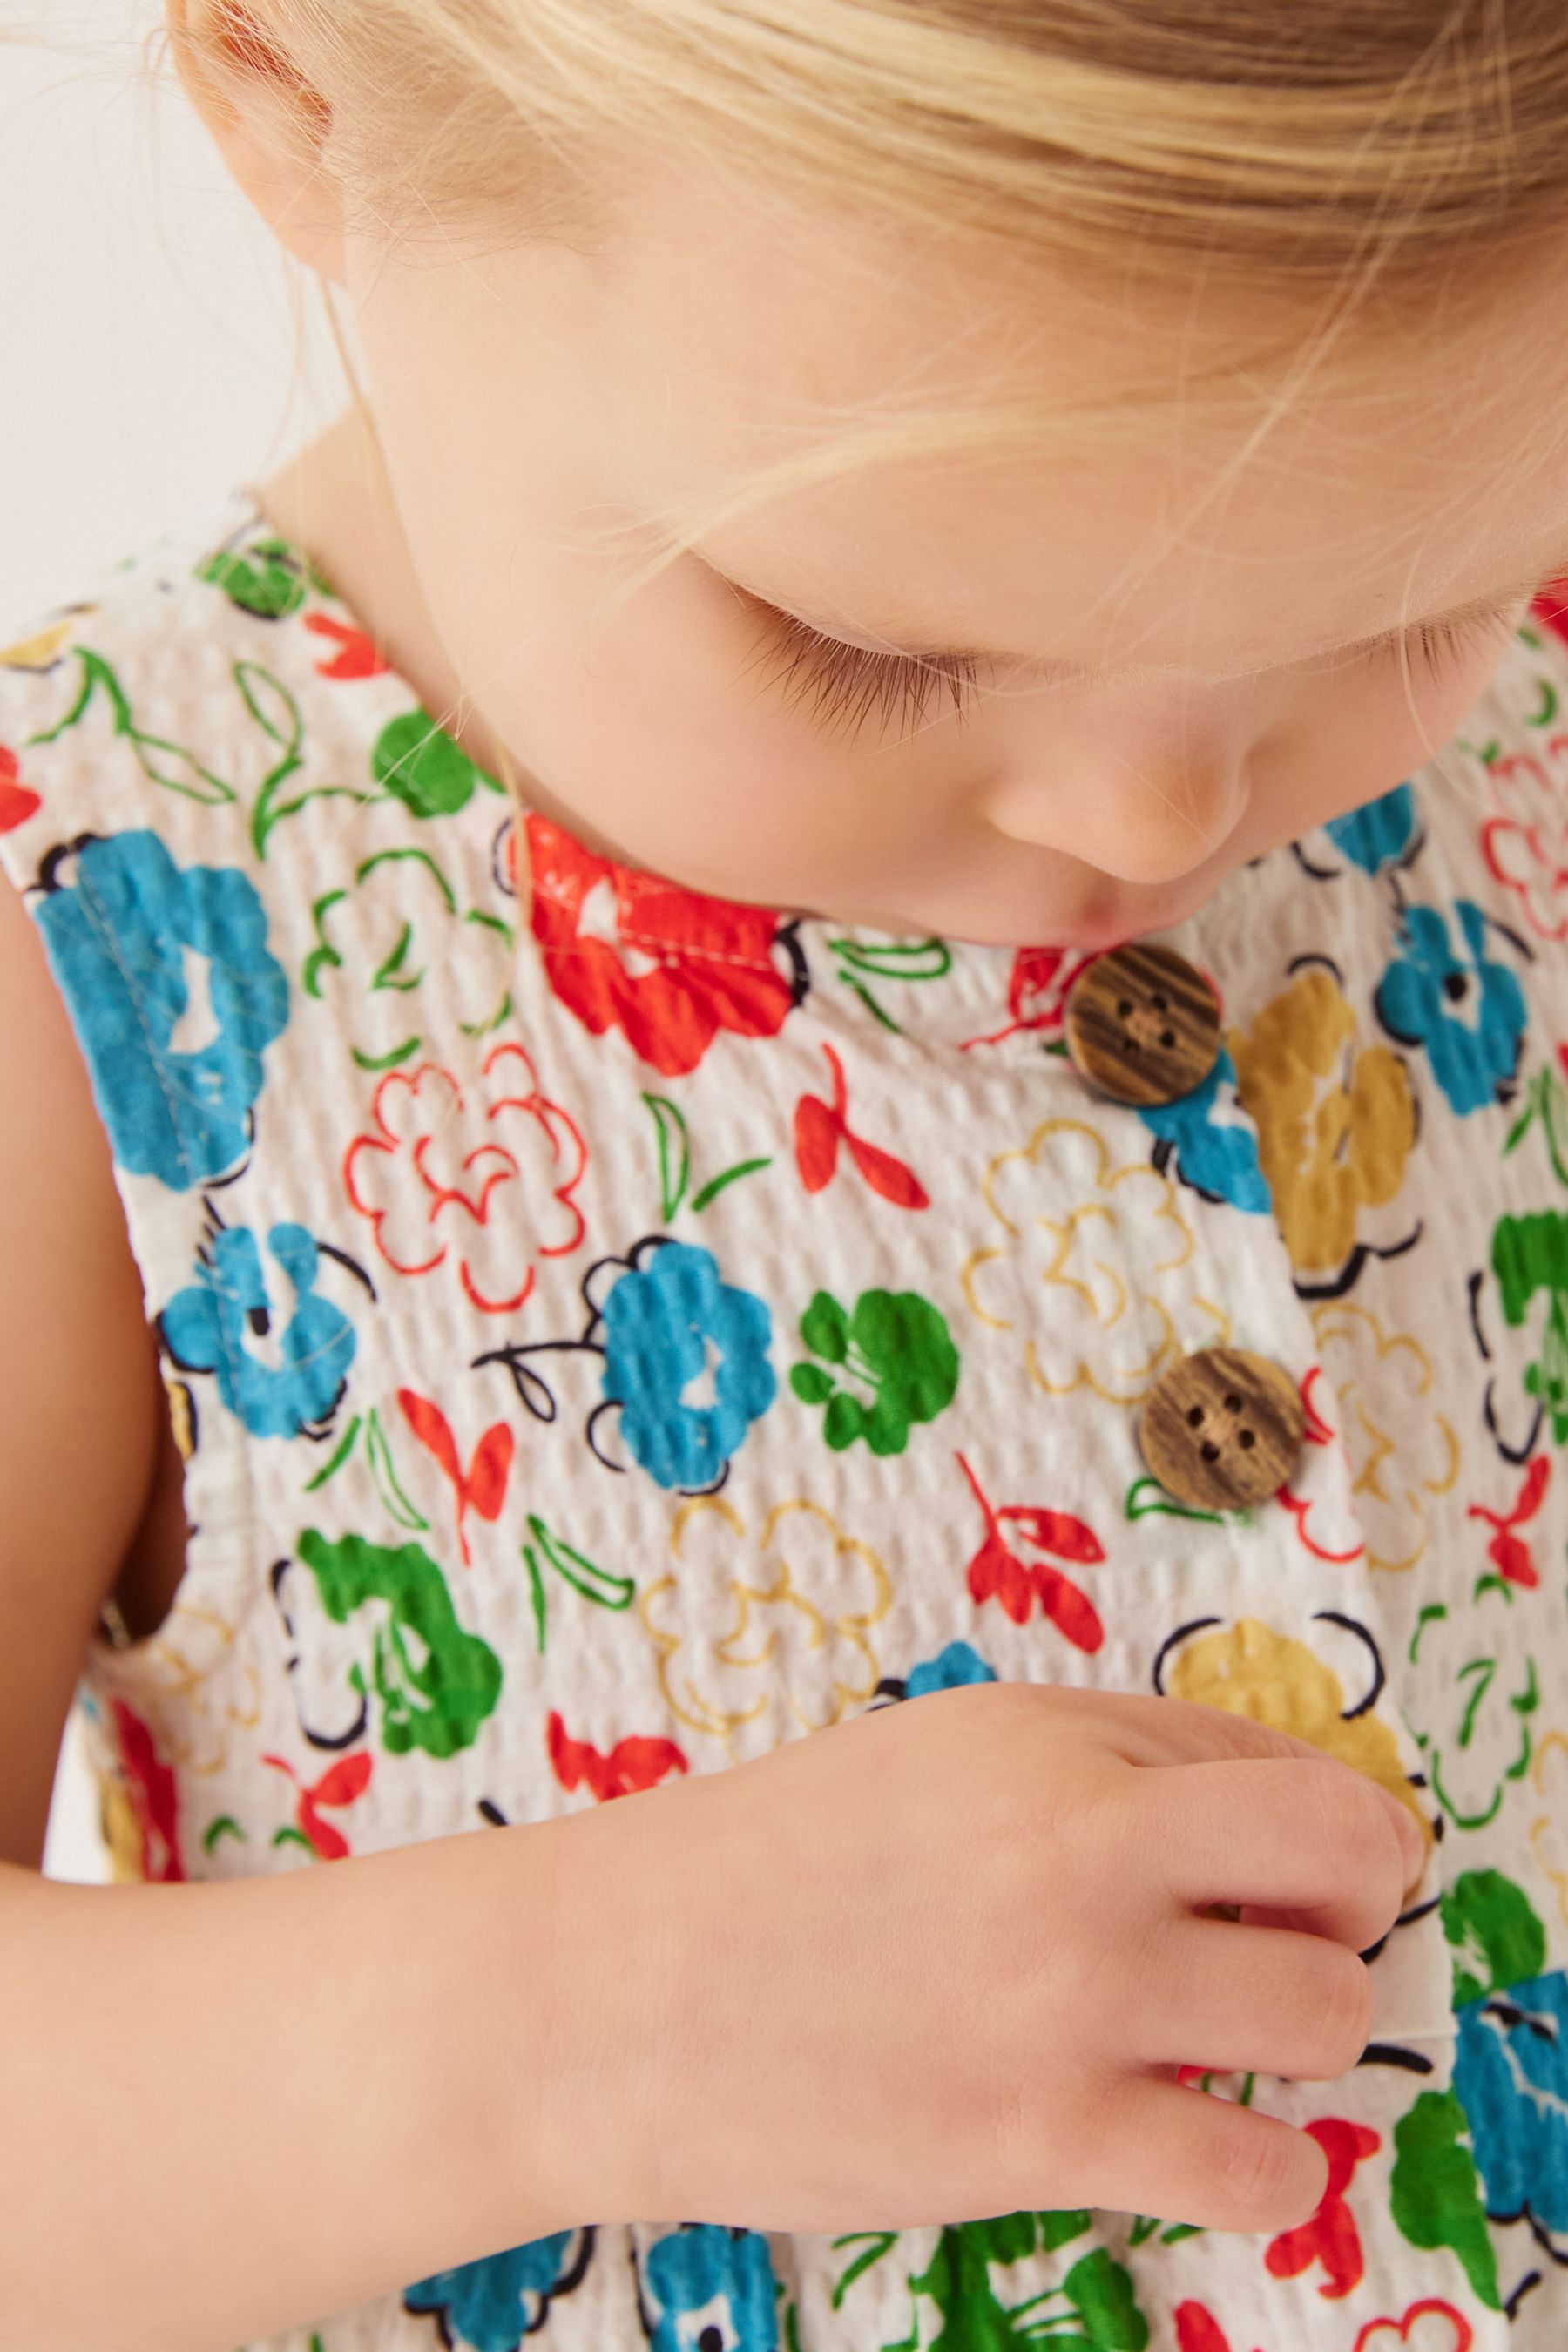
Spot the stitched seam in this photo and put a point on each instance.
(108, 940)
(651, 942)
(96, 917)
(203, 1472)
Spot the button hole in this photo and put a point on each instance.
(1195, 1416)
(1246, 1440)
(1167, 1037)
(1233, 1404)
(1158, 1003)
(1211, 1451)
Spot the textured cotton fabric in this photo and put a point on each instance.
(613, 1331)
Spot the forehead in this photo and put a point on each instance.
(1191, 496)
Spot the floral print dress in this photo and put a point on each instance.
(610, 1331)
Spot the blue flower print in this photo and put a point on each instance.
(126, 938)
(1467, 1013)
(714, 2287)
(310, 1345)
(672, 1328)
(1378, 833)
(955, 1664)
(1510, 2073)
(490, 2305)
(1221, 1162)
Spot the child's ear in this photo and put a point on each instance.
(270, 126)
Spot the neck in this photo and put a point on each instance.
(334, 500)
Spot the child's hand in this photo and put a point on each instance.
(944, 1960)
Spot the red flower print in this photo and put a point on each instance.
(625, 950)
(1017, 1584)
(18, 801)
(1443, 2329)
(1525, 843)
(1512, 1557)
(1551, 607)
(339, 1785)
(356, 655)
(1036, 991)
(820, 1127)
(481, 1486)
(476, 1178)
(1197, 2330)
(154, 1797)
(1321, 1432)
(1329, 2236)
(634, 1763)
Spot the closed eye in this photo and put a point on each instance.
(1443, 645)
(845, 685)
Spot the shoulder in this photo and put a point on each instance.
(139, 685)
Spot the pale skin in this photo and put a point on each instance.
(367, 2021)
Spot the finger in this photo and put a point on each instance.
(1307, 1835)
(1191, 2155)
(1239, 2000)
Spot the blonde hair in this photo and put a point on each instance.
(1234, 130)
(1320, 146)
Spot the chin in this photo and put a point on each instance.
(1085, 934)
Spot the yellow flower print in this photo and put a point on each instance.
(1335, 1125)
(1549, 1828)
(118, 1828)
(42, 652)
(1403, 1452)
(186, 1674)
(1250, 1669)
(183, 1422)
(1097, 1274)
(762, 1635)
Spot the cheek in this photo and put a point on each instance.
(1437, 704)
(662, 752)
(1354, 739)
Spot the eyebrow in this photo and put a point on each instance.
(1474, 608)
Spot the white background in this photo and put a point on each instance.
(157, 353)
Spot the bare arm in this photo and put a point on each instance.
(232, 2109)
(225, 2110)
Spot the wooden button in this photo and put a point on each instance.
(1222, 1429)
(1141, 1024)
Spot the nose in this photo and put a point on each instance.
(1151, 816)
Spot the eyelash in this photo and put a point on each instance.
(846, 683)
(1442, 643)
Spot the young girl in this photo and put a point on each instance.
(826, 971)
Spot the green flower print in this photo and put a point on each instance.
(437, 1697)
(895, 1344)
(393, 939)
(1094, 2307)
(424, 768)
(266, 579)
(1529, 1253)
(1496, 1937)
(1434, 2192)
